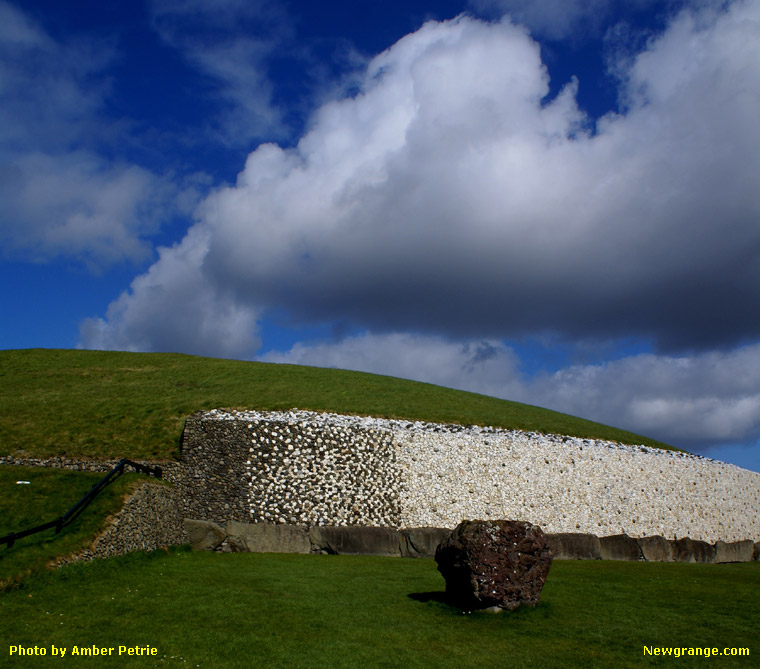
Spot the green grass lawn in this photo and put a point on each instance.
(105, 404)
(51, 493)
(266, 610)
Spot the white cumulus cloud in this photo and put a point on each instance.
(185, 312)
(486, 367)
(448, 197)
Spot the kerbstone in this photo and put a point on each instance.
(204, 535)
(270, 538)
(736, 551)
(655, 549)
(692, 550)
(338, 540)
(422, 541)
(574, 546)
(620, 547)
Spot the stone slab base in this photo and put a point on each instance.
(422, 542)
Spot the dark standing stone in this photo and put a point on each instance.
(494, 563)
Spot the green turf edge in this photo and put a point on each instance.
(107, 404)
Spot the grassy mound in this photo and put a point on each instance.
(267, 610)
(104, 404)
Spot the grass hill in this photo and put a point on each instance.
(280, 610)
(106, 404)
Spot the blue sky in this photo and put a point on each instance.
(550, 201)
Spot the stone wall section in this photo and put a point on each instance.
(321, 473)
(212, 481)
(566, 484)
(150, 519)
(310, 468)
(316, 469)
(172, 470)
(422, 542)
(283, 468)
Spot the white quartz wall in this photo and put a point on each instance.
(566, 484)
(437, 475)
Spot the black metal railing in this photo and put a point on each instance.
(73, 513)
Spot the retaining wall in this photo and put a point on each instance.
(149, 519)
(325, 469)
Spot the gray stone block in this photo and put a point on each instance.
(656, 549)
(620, 547)
(268, 538)
(339, 540)
(204, 535)
(736, 551)
(422, 541)
(703, 552)
(692, 550)
(235, 544)
(574, 546)
(756, 552)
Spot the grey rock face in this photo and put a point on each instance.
(337, 540)
(204, 535)
(691, 550)
(487, 563)
(656, 549)
(267, 538)
(422, 541)
(736, 551)
(574, 546)
(620, 547)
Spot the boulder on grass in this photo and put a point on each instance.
(756, 552)
(204, 535)
(494, 564)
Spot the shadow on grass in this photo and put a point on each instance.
(541, 610)
(439, 597)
